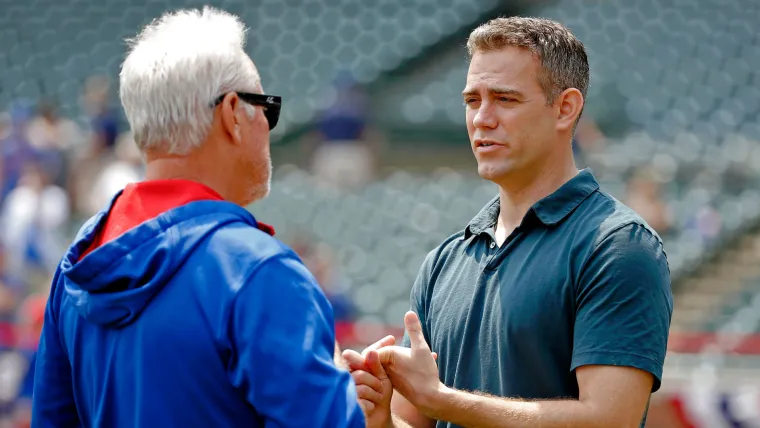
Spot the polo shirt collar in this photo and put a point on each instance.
(555, 207)
(549, 210)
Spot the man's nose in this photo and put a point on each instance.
(484, 117)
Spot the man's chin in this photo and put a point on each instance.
(262, 190)
(260, 193)
(491, 174)
(266, 191)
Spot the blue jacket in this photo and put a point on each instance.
(193, 319)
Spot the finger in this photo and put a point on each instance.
(367, 406)
(435, 356)
(414, 330)
(363, 378)
(354, 360)
(386, 341)
(387, 355)
(366, 393)
(374, 366)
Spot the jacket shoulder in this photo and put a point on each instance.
(247, 242)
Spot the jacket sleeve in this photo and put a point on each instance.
(53, 402)
(283, 340)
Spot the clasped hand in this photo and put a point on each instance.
(382, 367)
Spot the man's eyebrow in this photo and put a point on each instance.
(498, 90)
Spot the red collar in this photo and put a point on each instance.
(143, 201)
(155, 197)
(266, 228)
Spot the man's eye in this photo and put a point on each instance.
(506, 99)
(469, 101)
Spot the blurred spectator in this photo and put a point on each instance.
(31, 314)
(643, 196)
(126, 167)
(15, 150)
(52, 136)
(7, 305)
(343, 157)
(706, 223)
(14, 363)
(89, 162)
(104, 120)
(8, 281)
(50, 131)
(8, 301)
(18, 384)
(32, 221)
(320, 261)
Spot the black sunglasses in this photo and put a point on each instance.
(272, 104)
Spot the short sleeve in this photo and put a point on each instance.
(417, 298)
(624, 303)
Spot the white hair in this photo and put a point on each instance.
(175, 68)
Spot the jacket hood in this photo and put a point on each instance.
(114, 283)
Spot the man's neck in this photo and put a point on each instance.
(186, 168)
(517, 196)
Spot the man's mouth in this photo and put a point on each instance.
(486, 143)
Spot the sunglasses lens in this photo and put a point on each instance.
(272, 115)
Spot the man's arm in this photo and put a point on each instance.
(53, 402)
(398, 422)
(611, 397)
(405, 415)
(283, 341)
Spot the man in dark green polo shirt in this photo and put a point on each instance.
(552, 307)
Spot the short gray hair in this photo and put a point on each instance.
(563, 59)
(175, 68)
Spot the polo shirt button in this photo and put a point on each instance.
(493, 245)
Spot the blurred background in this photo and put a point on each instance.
(373, 167)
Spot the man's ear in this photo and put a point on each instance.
(228, 113)
(570, 103)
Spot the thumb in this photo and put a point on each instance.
(414, 330)
(386, 355)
